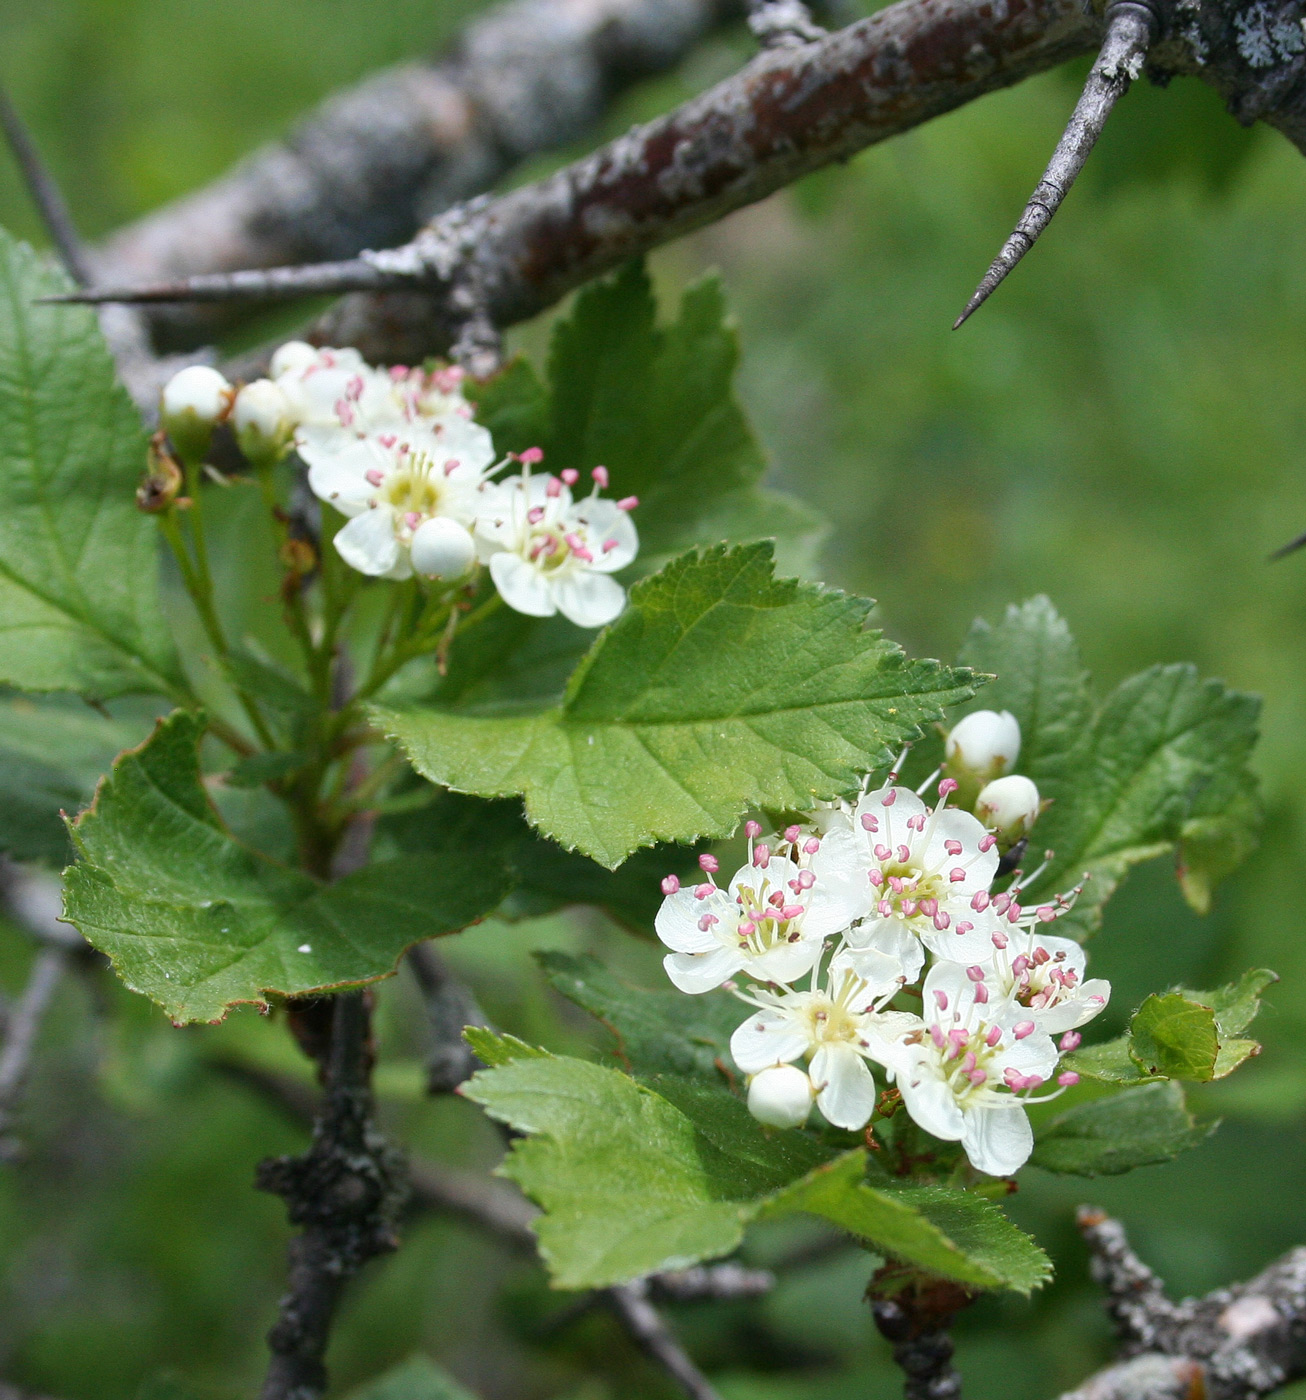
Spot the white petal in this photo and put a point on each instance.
(703, 972)
(997, 1139)
(367, 542)
(842, 892)
(930, 1102)
(337, 469)
(973, 946)
(589, 599)
(605, 522)
(885, 1035)
(891, 821)
(677, 921)
(521, 585)
(786, 962)
(459, 439)
(952, 824)
(886, 951)
(1035, 1054)
(767, 1038)
(845, 1087)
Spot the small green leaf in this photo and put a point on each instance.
(418, 1378)
(200, 922)
(1163, 763)
(1134, 1128)
(671, 728)
(1236, 1005)
(657, 1032)
(1109, 1063)
(1174, 1036)
(495, 1048)
(79, 601)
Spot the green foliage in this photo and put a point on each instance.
(656, 406)
(199, 922)
(634, 1177)
(52, 752)
(79, 603)
(1134, 1128)
(1161, 762)
(1181, 1035)
(418, 1378)
(656, 1032)
(718, 688)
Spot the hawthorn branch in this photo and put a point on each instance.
(1238, 1343)
(649, 1331)
(450, 1009)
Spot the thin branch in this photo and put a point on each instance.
(372, 164)
(45, 193)
(1238, 1343)
(648, 1329)
(346, 1191)
(450, 1009)
(1131, 27)
(914, 1313)
(790, 111)
(19, 1043)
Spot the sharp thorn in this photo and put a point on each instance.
(1131, 27)
(1290, 548)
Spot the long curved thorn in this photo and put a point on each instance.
(1130, 29)
(315, 279)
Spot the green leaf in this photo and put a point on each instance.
(720, 687)
(418, 1378)
(639, 1176)
(1235, 1006)
(940, 1230)
(200, 922)
(545, 876)
(495, 1048)
(1174, 1036)
(1134, 1128)
(79, 604)
(52, 752)
(657, 1032)
(1108, 1063)
(656, 406)
(1163, 762)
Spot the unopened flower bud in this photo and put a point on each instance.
(982, 746)
(294, 357)
(1008, 806)
(442, 548)
(263, 422)
(162, 480)
(780, 1096)
(194, 401)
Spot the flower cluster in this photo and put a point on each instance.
(398, 453)
(853, 901)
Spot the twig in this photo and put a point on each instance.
(346, 1191)
(782, 23)
(1238, 1343)
(649, 1330)
(373, 163)
(1131, 27)
(24, 1024)
(450, 1009)
(914, 1312)
(45, 193)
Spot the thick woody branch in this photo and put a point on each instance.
(1238, 1343)
(372, 164)
(791, 111)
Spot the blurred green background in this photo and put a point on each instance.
(1123, 427)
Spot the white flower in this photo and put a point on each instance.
(333, 391)
(1008, 806)
(1044, 977)
(548, 553)
(929, 869)
(962, 1069)
(390, 485)
(983, 746)
(835, 1027)
(193, 401)
(771, 922)
(780, 1096)
(263, 421)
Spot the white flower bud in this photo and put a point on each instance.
(442, 548)
(985, 744)
(293, 357)
(780, 1096)
(1008, 806)
(194, 400)
(263, 421)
